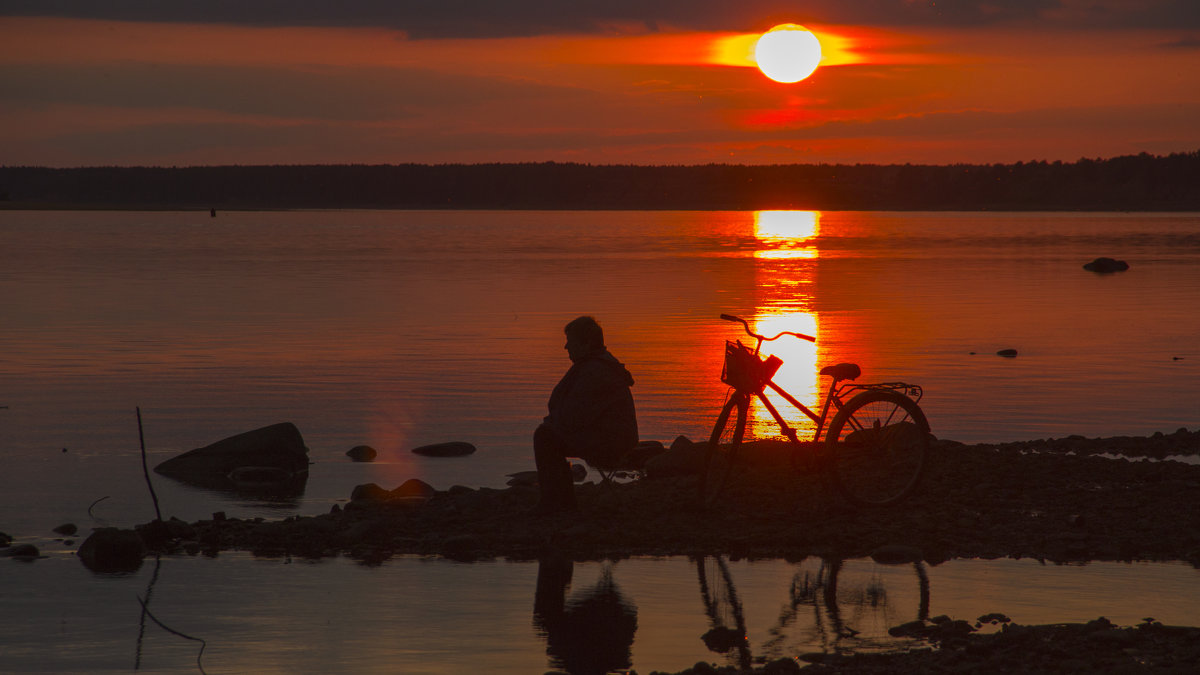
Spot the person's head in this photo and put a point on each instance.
(584, 336)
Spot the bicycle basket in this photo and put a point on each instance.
(746, 372)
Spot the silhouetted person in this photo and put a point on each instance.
(592, 633)
(591, 416)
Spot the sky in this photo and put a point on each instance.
(218, 82)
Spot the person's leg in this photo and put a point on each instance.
(554, 472)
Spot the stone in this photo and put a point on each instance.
(66, 529)
(910, 629)
(111, 550)
(723, 639)
(781, 666)
(683, 458)
(1106, 266)
(414, 489)
(448, 449)
(522, 478)
(1007, 353)
(362, 453)
(273, 458)
(642, 453)
(23, 552)
(370, 492)
(578, 472)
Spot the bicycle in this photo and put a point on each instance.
(874, 449)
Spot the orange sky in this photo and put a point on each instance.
(96, 91)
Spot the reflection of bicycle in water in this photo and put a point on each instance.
(874, 448)
(852, 604)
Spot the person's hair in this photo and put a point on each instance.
(586, 329)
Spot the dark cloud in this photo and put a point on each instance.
(495, 18)
(328, 93)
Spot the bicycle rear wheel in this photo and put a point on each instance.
(721, 454)
(876, 445)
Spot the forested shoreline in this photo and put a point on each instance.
(1129, 183)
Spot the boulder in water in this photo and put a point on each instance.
(266, 459)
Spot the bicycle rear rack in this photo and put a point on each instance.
(912, 391)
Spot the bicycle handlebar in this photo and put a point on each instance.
(746, 326)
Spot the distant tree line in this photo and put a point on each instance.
(1135, 182)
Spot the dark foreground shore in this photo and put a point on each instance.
(1058, 500)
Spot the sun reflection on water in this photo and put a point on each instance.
(783, 304)
(786, 234)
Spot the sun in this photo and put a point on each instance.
(787, 53)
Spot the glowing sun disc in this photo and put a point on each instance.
(787, 53)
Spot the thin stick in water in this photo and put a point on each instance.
(94, 504)
(142, 440)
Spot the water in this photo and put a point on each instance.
(397, 329)
(415, 615)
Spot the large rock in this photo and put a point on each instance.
(110, 550)
(271, 459)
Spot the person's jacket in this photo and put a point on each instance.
(591, 409)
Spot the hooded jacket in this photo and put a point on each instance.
(591, 409)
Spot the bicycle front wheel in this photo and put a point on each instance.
(876, 445)
(723, 444)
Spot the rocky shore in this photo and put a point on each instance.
(1060, 500)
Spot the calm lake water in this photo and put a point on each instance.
(398, 329)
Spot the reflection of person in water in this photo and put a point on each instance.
(592, 633)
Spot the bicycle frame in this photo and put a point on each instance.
(752, 377)
(874, 444)
(831, 398)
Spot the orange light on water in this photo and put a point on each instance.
(797, 375)
(785, 240)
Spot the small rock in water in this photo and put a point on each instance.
(1106, 266)
(362, 453)
(526, 478)
(23, 552)
(449, 449)
(1007, 353)
(66, 528)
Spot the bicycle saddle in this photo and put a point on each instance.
(842, 371)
